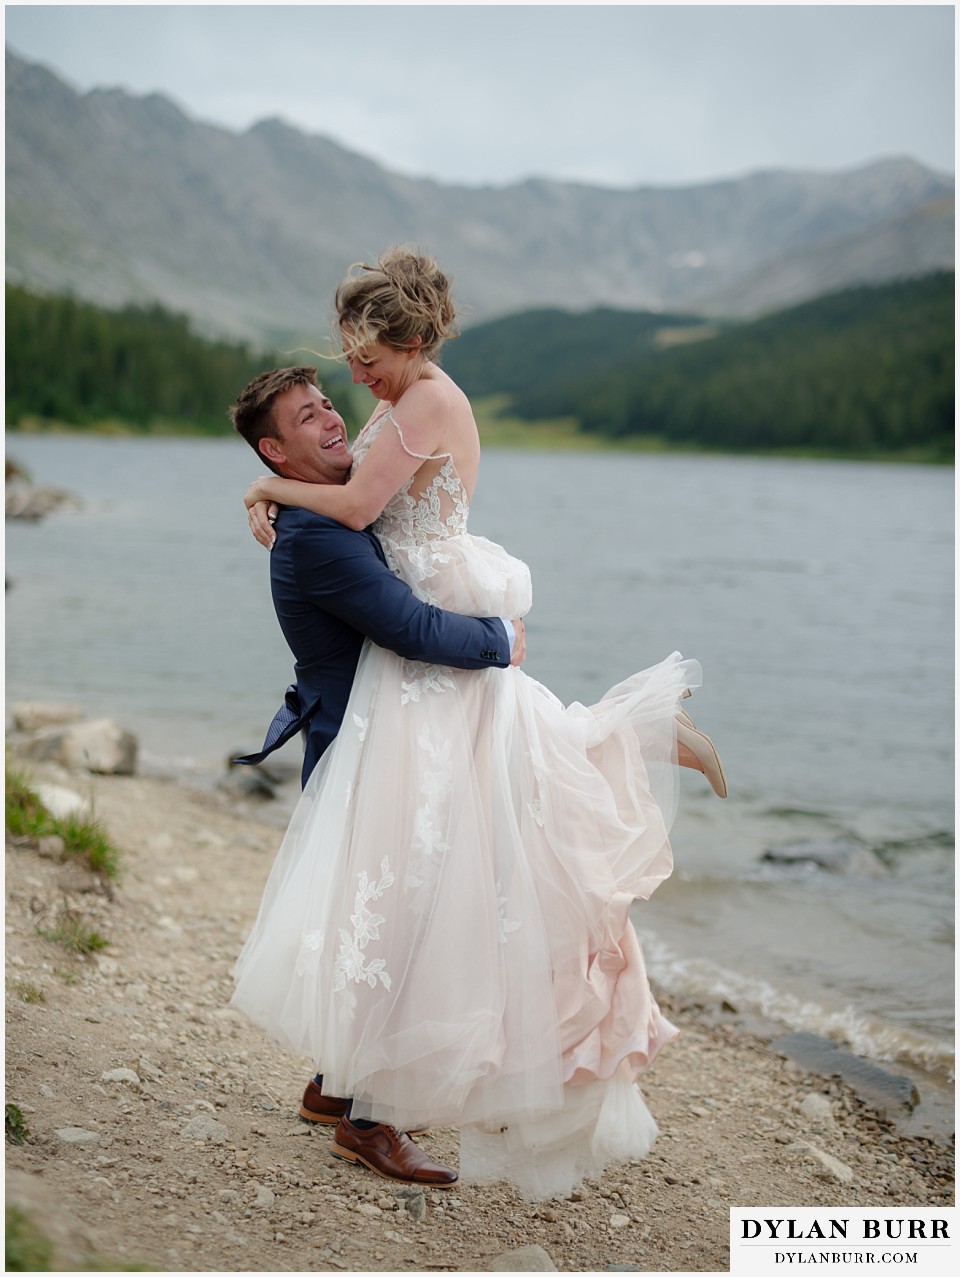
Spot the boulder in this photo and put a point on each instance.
(34, 716)
(26, 502)
(248, 782)
(62, 803)
(838, 856)
(98, 745)
(260, 781)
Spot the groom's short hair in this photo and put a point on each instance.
(252, 413)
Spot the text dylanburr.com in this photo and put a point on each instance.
(776, 1239)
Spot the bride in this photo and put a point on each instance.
(446, 929)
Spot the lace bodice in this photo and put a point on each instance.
(419, 512)
(423, 532)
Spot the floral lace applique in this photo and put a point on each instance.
(505, 924)
(427, 516)
(350, 963)
(421, 564)
(415, 516)
(311, 949)
(536, 811)
(428, 845)
(423, 678)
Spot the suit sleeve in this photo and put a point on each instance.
(342, 573)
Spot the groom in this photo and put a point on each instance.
(332, 588)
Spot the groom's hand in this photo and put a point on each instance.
(519, 649)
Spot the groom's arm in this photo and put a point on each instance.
(342, 572)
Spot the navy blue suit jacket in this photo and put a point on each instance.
(331, 588)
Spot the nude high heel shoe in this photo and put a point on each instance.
(703, 750)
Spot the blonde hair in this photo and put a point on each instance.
(403, 298)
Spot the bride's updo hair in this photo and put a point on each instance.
(404, 296)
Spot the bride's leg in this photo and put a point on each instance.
(697, 751)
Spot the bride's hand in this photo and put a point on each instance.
(260, 516)
(255, 494)
(519, 653)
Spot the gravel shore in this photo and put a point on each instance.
(162, 1125)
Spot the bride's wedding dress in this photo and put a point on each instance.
(446, 930)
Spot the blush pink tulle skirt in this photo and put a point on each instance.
(446, 930)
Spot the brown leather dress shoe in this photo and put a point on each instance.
(325, 1109)
(390, 1153)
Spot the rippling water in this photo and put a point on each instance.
(817, 595)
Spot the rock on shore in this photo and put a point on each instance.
(24, 500)
(59, 733)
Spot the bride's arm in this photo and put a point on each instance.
(390, 463)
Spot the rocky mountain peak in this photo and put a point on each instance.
(119, 198)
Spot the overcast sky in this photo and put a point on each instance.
(619, 95)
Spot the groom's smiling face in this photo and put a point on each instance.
(311, 442)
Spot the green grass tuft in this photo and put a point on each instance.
(27, 1250)
(15, 1128)
(88, 840)
(28, 992)
(25, 813)
(84, 840)
(75, 935)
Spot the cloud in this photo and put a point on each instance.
(618, 95)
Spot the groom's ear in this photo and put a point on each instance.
(271, 449)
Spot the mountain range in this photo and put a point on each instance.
(118, 198)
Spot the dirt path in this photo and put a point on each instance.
(190, 1158)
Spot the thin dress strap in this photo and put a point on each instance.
(421, 456)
